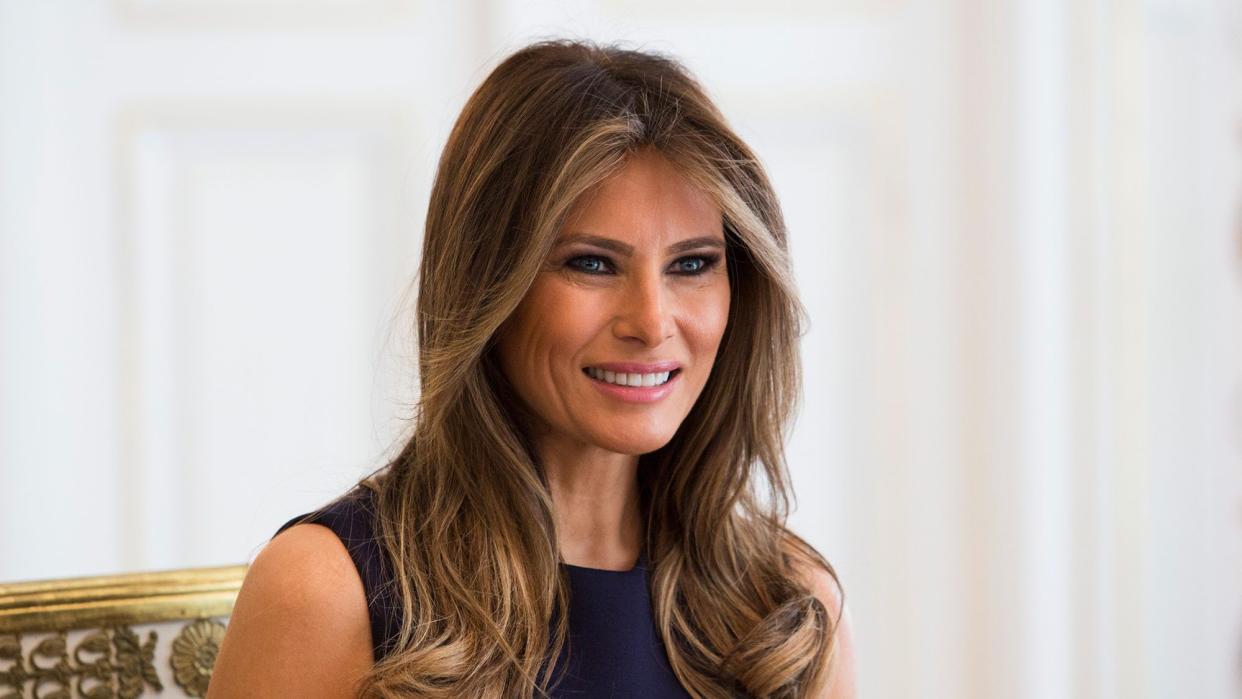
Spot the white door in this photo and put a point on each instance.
(208, 213)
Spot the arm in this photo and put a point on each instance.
(300, 626)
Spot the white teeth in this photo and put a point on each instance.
(624, 379)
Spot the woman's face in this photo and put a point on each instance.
(635, 287)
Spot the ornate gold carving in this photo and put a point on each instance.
(121, 666)
(110, 661)
(194, 654)
(109, 600)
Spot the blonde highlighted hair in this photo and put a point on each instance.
(464, 511)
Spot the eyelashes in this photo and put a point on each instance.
(599, 265)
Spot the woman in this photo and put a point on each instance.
(607, 330)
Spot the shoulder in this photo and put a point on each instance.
(300, 625)
(826, 587)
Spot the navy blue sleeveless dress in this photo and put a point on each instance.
(614, 647)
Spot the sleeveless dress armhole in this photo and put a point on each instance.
(352, 518)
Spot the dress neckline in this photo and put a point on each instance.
(639, 566)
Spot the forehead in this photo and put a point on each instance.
(648, 199)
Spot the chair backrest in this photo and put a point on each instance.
(117, 636)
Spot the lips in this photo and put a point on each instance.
(648, 392)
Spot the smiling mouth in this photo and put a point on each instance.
(650, 380)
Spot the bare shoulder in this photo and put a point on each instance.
(841, 682)
(300, 625)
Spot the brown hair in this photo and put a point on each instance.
(465, 513)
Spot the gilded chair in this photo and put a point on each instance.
(115, 636)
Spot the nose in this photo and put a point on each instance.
(645, 309)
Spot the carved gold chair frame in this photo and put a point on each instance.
(76, 637)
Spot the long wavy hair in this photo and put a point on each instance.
(464, 510)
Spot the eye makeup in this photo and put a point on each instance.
(577, 263)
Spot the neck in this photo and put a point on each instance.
(595, 496)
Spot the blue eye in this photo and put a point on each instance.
(591, 264)
(696, 265)
(693, 268)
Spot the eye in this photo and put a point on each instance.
(696, 264)
(588, 264)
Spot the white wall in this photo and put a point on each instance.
(1015, 225)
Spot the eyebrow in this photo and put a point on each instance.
(628, 250)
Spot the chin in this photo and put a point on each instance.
(634, 445)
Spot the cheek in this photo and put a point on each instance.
(550, 325)
(709, 318)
